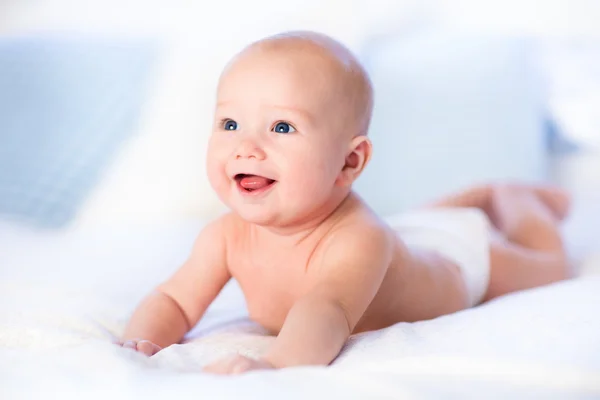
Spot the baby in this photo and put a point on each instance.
(315, 264)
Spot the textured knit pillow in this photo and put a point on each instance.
(66, 104)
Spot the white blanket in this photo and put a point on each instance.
(62, 299)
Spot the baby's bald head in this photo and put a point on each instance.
(321, 60)
(293, 112)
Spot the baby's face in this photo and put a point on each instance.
(279, 141)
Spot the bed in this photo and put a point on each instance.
(65, 294)
(65, 297)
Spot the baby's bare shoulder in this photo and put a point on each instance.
(360, 235)
(364, 226)
(218, 235)
(232, 227)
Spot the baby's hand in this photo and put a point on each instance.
(143, 346)
(236, 365)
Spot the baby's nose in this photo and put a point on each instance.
(249, 149)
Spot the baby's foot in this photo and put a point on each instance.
(143, 346)
(529, 218)
(557, 199)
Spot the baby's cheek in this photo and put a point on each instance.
(310, 185)
(326, 169)
(217, 177)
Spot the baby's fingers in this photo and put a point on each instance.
(236, 365)
(148, 348)
(143, 346)
(130, 344)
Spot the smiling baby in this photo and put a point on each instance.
(314, 262)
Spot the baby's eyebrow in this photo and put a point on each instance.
(303, 113)
(224, 103)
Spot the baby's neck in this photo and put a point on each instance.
(311, 226)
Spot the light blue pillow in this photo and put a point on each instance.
(66, 104)
(452, 109)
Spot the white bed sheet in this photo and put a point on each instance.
(63, 297)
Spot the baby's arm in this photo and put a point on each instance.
(175, 306)
(347, 278)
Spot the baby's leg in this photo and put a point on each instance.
(530, 251)
(482, 197)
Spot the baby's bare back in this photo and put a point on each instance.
(274, 273)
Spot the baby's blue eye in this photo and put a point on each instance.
(230, 125)
(283, 127)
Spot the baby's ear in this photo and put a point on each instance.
(356, 160)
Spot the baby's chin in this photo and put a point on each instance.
(258, 214)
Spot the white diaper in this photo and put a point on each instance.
(461, 235)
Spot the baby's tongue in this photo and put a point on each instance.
(254, 182)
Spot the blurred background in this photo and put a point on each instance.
(105, 105)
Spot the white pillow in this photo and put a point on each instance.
(160, 175)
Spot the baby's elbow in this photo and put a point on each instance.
(335, 311)
(347, 318)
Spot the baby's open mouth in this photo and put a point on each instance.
(253, 183)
